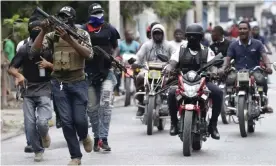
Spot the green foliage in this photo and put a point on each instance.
(171, 10)
(130, 8)
(16, 27)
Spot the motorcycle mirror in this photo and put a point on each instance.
(274, 65)
(232, 61)
(163, 58)
(131, 61)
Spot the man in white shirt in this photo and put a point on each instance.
(21, 43)
(178, 39)
(193, 56)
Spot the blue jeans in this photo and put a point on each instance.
(37, 126)
(71, 104)
(99, 106)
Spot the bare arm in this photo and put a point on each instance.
(266, 60)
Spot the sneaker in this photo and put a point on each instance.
(104, 145)
(46, 141)
(88, 144)
(38, 157)
(28, 149)
(96, 147)
(75, 161)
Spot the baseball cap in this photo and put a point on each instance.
(68, 11)
(95, 8)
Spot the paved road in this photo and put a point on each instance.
(131, 145)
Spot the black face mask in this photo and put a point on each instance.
(194, 42)
(34, 33)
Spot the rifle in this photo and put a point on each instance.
(56, 22)
(112, 59)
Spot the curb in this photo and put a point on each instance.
(12, 135)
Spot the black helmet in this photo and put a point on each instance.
(194, 29)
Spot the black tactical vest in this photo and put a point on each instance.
(188, 62)
(98, 67)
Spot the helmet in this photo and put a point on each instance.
(194, 29)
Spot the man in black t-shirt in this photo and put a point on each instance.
(220, 44)
(36, 93)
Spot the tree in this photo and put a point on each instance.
(17, 27)
(171, 10)
(130, 8)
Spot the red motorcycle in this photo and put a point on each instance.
(193, 98)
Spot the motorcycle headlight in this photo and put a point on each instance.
(191, 90)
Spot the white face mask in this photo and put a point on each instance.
(100, 15)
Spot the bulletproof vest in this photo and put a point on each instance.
(188, 62)
(66, 58)
(98, 67)
(101, 37)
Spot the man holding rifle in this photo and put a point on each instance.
(100, 75)
(70, 89)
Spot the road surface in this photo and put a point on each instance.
(130, 144)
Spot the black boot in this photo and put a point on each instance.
(105, 145)
(174, 129)
(96, 147)
(28, 149)
(213, 130)
(140, 111)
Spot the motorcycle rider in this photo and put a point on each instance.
(247, 53)
(191, 57)
(148, 52)
(220, 43)
(256, 35)
(129, 45)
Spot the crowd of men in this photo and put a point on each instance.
(79, 81)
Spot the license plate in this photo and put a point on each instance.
(243, 77)
(260, 88)
(154, 74)
(204, 96)
(189, 107)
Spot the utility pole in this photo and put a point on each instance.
(199, 11)
(114, 14)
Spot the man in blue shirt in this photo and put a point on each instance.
(129, 46)
(256, 35)
(247, 53)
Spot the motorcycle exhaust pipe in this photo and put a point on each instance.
(134, 99)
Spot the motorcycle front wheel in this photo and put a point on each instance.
(242, 115)
(187, 133)
(150, 108)
(128, 91)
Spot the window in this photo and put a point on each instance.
(223, 14)
(244, 12)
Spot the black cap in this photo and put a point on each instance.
(68, 11)
(95, 8)
(34, 21)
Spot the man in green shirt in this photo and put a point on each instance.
(9, 49)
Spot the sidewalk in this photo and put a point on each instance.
(12, 121)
